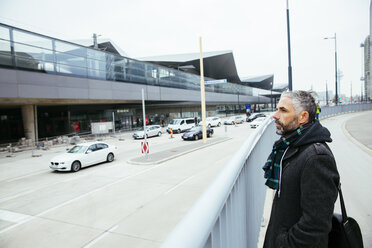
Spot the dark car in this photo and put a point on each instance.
(196, 133)
(254, 116)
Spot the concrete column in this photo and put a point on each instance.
(28, 117)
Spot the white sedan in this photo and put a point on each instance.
(257, 122)
(213, 121)
(82, 155)
(152, 130)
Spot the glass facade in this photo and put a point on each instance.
(30, 51)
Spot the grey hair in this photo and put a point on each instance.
(302, 101)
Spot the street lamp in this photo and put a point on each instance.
(289, 52)
(329, 38)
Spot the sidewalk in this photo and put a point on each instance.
(359, 129)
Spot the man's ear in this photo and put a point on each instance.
(303, 118)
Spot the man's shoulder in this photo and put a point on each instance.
(314, 149)
(321, 148)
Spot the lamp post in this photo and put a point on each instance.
(334, 38)
(289, 52)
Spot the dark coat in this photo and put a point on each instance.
(301, 216)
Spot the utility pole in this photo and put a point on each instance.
(202, 92)
(336, 90)
(327, 92)
(351, 92)
(289, 52)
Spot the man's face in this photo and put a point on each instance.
(285, 117)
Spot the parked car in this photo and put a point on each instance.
(254, 116)
(213, 121)
(151, 130)
(83, 155)
(231, 120)
(181, 125)
(258, 121)
(196, 133)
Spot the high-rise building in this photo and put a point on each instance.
(367, 69)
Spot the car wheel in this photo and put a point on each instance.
(75, 166)
(159, 134)
(219, 124)
(110, 157)
(196, 137)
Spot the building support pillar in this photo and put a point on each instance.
(29, 117)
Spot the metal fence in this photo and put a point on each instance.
(229, 212)
(328, 111)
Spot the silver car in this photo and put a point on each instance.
(213, 121)
(152, 130)
(231, 121)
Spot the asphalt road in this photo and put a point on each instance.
(114, 204)
(120, 204)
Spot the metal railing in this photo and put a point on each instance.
(328, 111)
(229, 212)
(27, 50)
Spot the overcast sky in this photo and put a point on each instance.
(255, 30)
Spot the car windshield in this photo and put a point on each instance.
(195, 129)
(77, 149)
(175, 122)
(141, 129)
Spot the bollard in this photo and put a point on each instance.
(171, 133)
(11, 151)
(235, 123)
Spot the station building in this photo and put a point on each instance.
(51, 87)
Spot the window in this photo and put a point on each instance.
(101, 146)
(92, 148)
(190, 121)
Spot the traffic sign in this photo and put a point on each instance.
(145, 147)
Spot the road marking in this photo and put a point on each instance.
(105, 233)
(179, 184)
(4, 199)
(28, 175)
(74, 199)
(13, 216)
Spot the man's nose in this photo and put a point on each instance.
(276, 116)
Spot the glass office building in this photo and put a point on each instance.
(28, 51)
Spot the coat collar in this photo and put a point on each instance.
(291, 152)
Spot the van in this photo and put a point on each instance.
(181, 125)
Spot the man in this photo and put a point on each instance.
(318, 110)
(302, 170)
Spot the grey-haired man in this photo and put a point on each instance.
(302, 170)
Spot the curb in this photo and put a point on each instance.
(159, 161)
(354, 140)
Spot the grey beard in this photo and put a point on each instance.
(283, 130)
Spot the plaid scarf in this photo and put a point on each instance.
(272, 165)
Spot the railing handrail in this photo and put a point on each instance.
(207, 222)
(209, 205)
